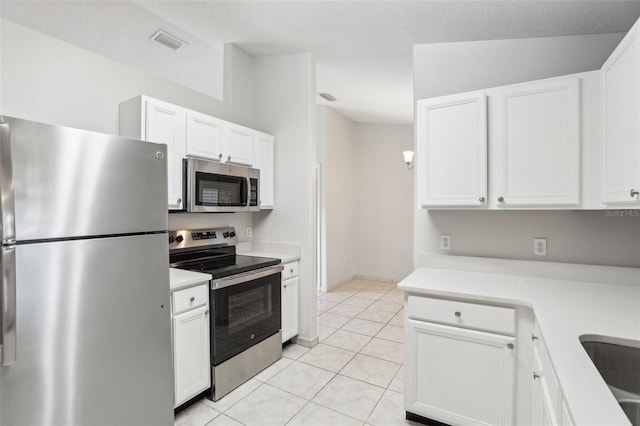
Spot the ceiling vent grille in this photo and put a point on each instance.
(168, 40)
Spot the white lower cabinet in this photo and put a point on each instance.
(289, 300)
(192, 374)
(549, 405)
(458, 375)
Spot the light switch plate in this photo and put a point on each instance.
(540, 246)
(445, 242)
(249, 232)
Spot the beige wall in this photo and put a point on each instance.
(340, 214)
(366, 216)
(384, 194)
(592, 237)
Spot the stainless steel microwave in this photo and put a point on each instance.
(214, 187)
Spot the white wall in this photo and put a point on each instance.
(48, 80)
(367, 202)
(285, 107)
(384, 194)
(573, 236)
(339, 168)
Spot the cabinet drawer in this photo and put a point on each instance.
(190, 298)
(290, 270)
(462, 314)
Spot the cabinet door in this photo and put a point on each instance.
(622, 122)
(191, 353)
(289, 308)
(452, 150)
(263, 160)
(204, 136)
(238, 145)
(459, 376)
(543, 407)
(538, 144)
(165, 123)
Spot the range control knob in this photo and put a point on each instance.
(179, 238)
(232, 234)
(226, 235)
(172, 239)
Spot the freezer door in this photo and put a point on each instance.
(69, 182)
(93, 334)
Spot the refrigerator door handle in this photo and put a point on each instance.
(7, 202)
(8, 325)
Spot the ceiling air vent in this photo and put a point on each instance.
(168, 40)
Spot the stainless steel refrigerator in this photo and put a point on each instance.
(85, 323)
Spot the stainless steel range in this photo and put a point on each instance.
(245, 300)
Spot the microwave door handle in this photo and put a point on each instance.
(245, 192)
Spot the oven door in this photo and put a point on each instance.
(246, 310)
(216, 187)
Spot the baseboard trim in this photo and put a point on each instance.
(378, 279)
(309, 343)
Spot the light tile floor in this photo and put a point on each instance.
(354, 376)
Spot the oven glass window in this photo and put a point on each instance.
(249, 308)
(220, 190)
(244, 314)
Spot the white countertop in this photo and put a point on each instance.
(285, 258)
(181, 278)
(565, 310)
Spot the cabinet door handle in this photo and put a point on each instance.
(220, 156)
(179, 200)
(535, 375)
(228, 158)
(633, 193)
(206, 312)
(193, 299)
(534, 337)
(458, 314)
(291, 271)
(284, 285)
(511, 346)
(501, 199)
(481, 199)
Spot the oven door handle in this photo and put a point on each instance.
(245, 277)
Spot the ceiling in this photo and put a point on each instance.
(363, 48)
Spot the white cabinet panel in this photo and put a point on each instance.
(289, 308)
(459, 376)
(204, 136)
(165, 123)
(452, 150)
(622, 121)
(264, 160)
(538, 142)
(191, 353)
(238, 145)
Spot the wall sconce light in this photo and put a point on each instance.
(408, 158)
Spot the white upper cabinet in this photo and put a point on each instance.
(152, 120)
(452, 150)
(264, 160)
(622, 122)
(204, 136)
(238, 145)
(537, 158)
(165, 124)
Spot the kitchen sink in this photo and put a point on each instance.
(618, 362)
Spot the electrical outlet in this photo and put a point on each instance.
(540, 246)
(445, 242)
(249, 232)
